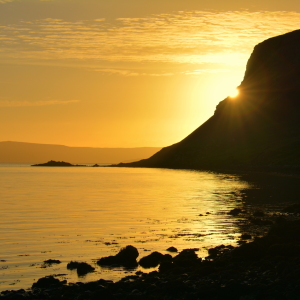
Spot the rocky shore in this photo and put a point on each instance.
(266, 268)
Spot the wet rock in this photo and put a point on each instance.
(186, 257)
(82, 268)
(166, 266)
(286, 231)
(51, 262)
(235, 212)
(47, 282)
(249, 251)
(126, 257)
(258, 213)
(289, 250)
(246, 236)
(72, 265)
(292, 209)
(154, 259)
(172, 249)
(219, 250)
(260, 222)
(14, 295)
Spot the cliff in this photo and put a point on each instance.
(259, 128)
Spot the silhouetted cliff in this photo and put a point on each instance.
(259, 128)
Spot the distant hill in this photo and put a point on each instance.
(18, 152)
(258, 129)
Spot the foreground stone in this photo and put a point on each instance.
(126, 258)
(154, 259)
(82, 268)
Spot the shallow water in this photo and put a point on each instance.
(86, 213)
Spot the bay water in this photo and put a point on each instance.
(85, 213)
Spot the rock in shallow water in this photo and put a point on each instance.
(172, 249)
(126, 258)
(82, 268)
(47, 282)
(154, 259)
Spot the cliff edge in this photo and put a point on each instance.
(259, 128)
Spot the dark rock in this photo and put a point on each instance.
(126, 257)
(186, 257)
(286, 231)
(72, 265)
(260, 222)
(289, 250)
(52, 261)
(293, 209)
(246, 236)
(166, 266)
(235, 212)
(128, 253)
(154, 259)
(82, 268)
(172, 249)
(258, 213)
(219, 250)
(47, 282)
(249, 251)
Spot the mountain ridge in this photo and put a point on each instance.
(19, 152)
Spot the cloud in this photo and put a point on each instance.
(203, 71)
(124, 72)
(197, 37)
(7, 103)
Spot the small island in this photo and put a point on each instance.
(53, 163)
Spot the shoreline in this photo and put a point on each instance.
(267, 267)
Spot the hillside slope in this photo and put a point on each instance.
(259, 128)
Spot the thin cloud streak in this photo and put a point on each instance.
(5, 1)
(124, 72)
(7, 103)
(185, 37)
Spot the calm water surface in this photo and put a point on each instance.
(85, 213)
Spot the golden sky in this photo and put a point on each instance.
(115, 73)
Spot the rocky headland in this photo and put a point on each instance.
(259, 129)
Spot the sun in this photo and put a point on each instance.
(234, 93)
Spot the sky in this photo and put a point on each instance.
(116, 73)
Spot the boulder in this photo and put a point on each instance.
(47, 282)
(126, 258)
(154, 259)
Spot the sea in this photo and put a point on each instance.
(85, 213)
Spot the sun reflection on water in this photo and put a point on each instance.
(86, 213)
